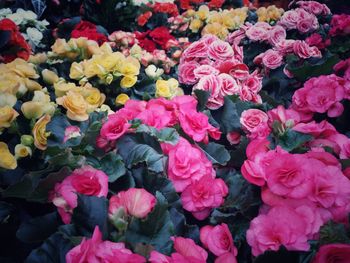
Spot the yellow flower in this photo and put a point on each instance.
(7, 99)
(9, 83)
(129, 69)
(195, 25)
(215, 17)
(49, 76)
(203, 12)
(38, 58)
(39, 106)
(215, 29)
(7, 116)
(93, 97)
(190, 13)
(76, 71)
(121, 99)
(32, 85)
(173, 83)
(22, 68)
(39, 132)
(128, 81)
(61, 88)
(162, 89)
(7, 160)
(75, 105)
(22, 151)
(60, 47)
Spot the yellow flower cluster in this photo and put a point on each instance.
(271, 13)
(217, 23)
(75, 48)
(107, 66)
(168, 88)
(79, 101)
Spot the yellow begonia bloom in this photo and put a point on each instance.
(92, 96)
(7, 160)
(76, 71)
(39, 132)
(121, 99)
(75, 105)
(39, 106)
(7, 116)
(203, 12)
(49, 76)
(7, 99)
(22, 151)
(195, 25)
(61, 88)
(215, 29)
(128, 81)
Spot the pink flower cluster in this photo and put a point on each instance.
(135, 202)
(193, 175)
(215, 66)
(308, 189)
(86, 180)
(322, 94)
(340, 25)
(300, 19)
(314, 7)
(159, 113)
(96, 250)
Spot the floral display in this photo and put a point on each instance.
(185, 131)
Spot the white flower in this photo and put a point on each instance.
(27, 15)
(4, 12)
(153, 72)
(16, 18)
(34, 35)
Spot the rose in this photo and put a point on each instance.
(75, 104)
(272, 59)
(253, 82)
(203, 195)
(289, 19)
(218, 239)
(39, 132)
(197, 49)
(333, 253)
(115, 127)
(258, 31)
(135, 202)
(307, 24)
(229, 85)
(85, 180)
(220, 50)
(314, 7)
(212, 84)
(205, 70)
(254, 120)
(186, 72)
(277, 34)
(303, 50)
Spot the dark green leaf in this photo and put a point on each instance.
(292, 140)
(167, 135)
(216, 153)
(202, 98)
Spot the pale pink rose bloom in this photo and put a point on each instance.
(255, 122)
(201, 196)
(218, 239)
(258, 31)
(289, 19)
(136, 202)
(272, 59)
(303, 50)
(270, 231)
(96, 250)
(220, 50)
(229, 85)
(285, 46)
(314, 7)
(276, 35)
(86, 180)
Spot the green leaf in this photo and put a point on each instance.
(202, 98)
(39, 228)
(91, 211)
(216, 153)
(167, 135)
(292, 140)
(334, 233)
(155, 230)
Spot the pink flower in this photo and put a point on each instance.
(272, 59)
(132, 108)
(226, 258)
(212, 84)
(203, 195)
(314, 7)
(233, 137)
(86, 180)
(220, 50)
(255, 122)
(317, 41)
(205, 70)
(258, 31)
(303, 50)
(136, 202)
(186, 72)
(197, 49)
(290, 175)
(115, 127)
(157, 116)
(340, 25)
(185, 103)
(277, 34)
(96, 250)
(188, 251)
(287, 117)
(71, 132)
(270, 231)
(196, 125)
(333, 253)
(253, 82)
(218, 239)
(156, 257)
(187, 164)
(229, 85)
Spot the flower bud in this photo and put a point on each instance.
(27, 140)
(22, 151)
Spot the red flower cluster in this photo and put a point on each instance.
(150, 39)
(186, 4)
(16, 46)
(88, 30)
(168, 8)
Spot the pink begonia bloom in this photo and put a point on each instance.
(196, 125)
(187, 164)
(229, 85)
(71, 132)
(333, 253)
(156, 257)
(220, 50)
(299, 19)
(290, 175)
(205, 70)
(212, 84)
(198, 49)
(340, 25)
(270, 231)
(188, 250)
(168, 107)
(303, 50)
(185, 103)
(132, 108)
(276, 35)
(86, 180)
(253, 82)
(271, 59)
(218, 239)
(234, 137)
(258, 32)
(157, 117)
(201, 196)
(234, 68)
(115, 127)
(186, 72)
(314, 7)
(287, 117)
(255, 122)
(226, 258)
(96, 250)
(136, 202)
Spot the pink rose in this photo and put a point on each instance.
(136, 202)
(276, 35)
(115, 127)
(258, 31)
(218, 239)
(272, 59)
(289, 19)
(197, 49)
(220, 50)
(307, 24)
(314, 7)
(96, 250)
(285, 46)
(196, 125)
(303, 50)
(226, 258)
(205, 70)
(333, 253)
(203, 195)
(212, 84)
(187, 164)
(236, 69)
(255, 122)
(253, 82)
(188, 251)
(186, 72)
(270, 231)
(86, 180)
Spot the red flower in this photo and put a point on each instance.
(16, 46)
(168, 8)
(143, 19)
(88, 30)
(161, 36)
(216, 3)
